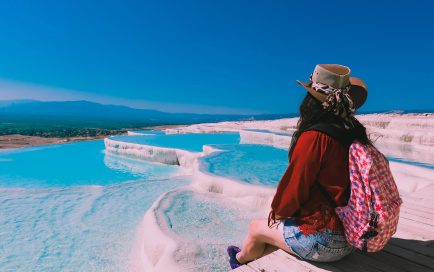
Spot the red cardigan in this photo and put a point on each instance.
(317, 159)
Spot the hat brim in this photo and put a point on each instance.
(358, 91)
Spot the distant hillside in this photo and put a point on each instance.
(86, 111)
(81, 110)
(95, 111)
(6, 103)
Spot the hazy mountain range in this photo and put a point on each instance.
(94, 111)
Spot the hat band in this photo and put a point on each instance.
(326, 89)
(338, 102)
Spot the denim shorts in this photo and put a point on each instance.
(326, 246)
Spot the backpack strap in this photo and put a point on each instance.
(342, 136)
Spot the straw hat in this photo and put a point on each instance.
(326, 79)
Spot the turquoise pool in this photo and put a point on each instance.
(71, 207)
(75, 228)
(269, 131)
(189, 142)
(149, 131)
(207, 224)
(73, 164)
(254, 164)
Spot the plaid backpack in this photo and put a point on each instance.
(371, 215)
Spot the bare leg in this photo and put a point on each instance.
(259, 238)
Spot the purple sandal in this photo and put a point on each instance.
(232, 252)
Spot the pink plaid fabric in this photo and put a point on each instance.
(373, 190)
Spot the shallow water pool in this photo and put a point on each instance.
(148, 131)
(76, 228)
(189, 142)
(70, 207)
(206, 225)
(254, 164)
(73, 164)
(269, 131)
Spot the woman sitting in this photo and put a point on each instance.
(302, 220)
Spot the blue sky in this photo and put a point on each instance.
(223, 56)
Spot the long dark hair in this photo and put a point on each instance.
(312, 112)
